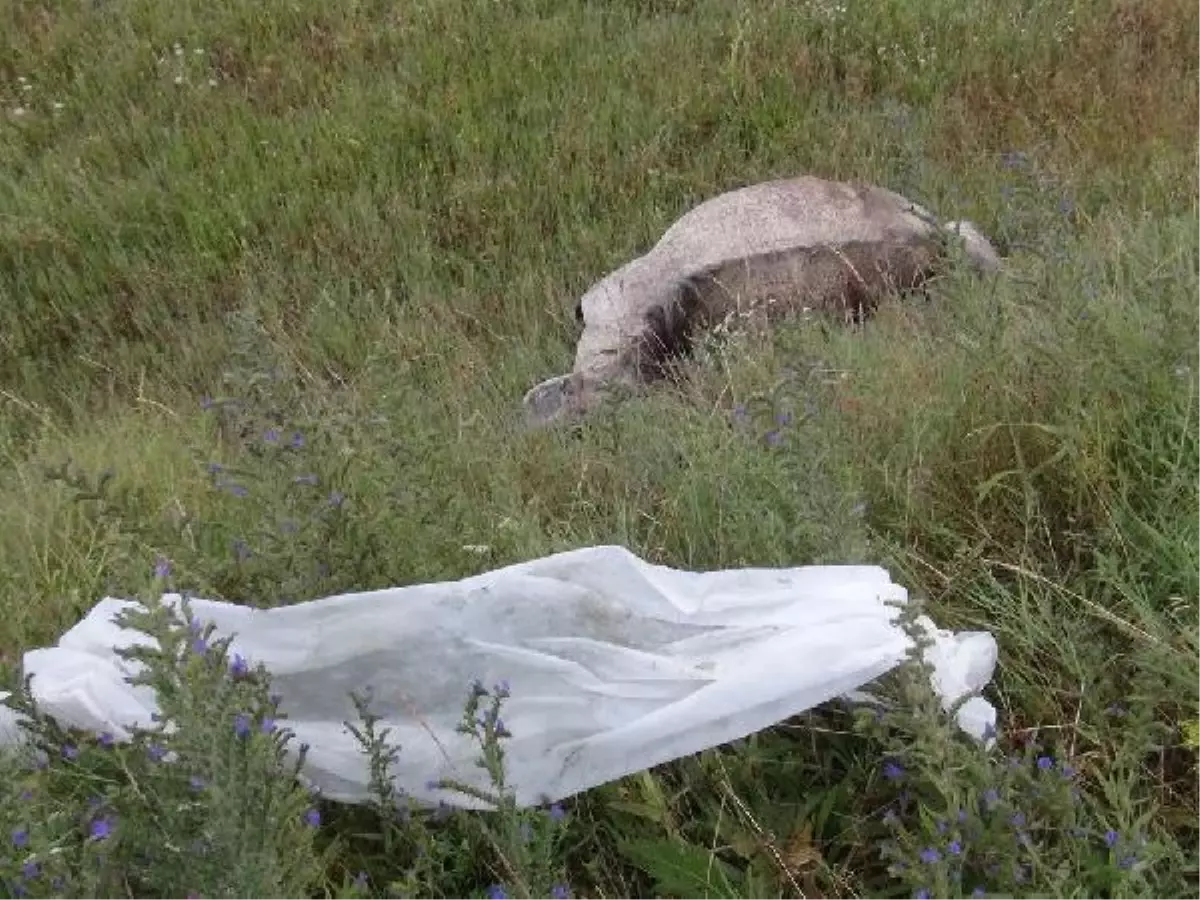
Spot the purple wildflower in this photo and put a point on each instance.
(239, 668)
(1110, 838)
(268, 726)
(930, 856)
(1014, 159)
(560, 892)
(156, 752)
(199, 646)
(162, 567)
(893, 771)
(556, 812)
(955, 848)
(497, 892)
(236, 489)
(31, 869)
(105, 739)
(196, 783)
(1018, 820)
(1045, 763)
(979, 892)
(101, 828)
(1126, 862)
(922, 894)
(774, 438)
(312, 818)
(271, 436)
(70, 751)
(241, 725)
(20, 838)
(297, 440)
(214, 468)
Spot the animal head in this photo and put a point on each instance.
(556, 399)
(979, 250)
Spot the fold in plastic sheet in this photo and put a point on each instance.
(614, 665)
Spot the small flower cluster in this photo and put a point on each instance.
(22, 100)
(214, 749)
(185, 66)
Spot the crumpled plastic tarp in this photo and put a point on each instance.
(614, 665)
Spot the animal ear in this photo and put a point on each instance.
(551, 399)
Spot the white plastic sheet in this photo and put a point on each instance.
(614, 665)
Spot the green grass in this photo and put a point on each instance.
(369, 222)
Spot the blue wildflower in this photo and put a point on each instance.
(930, 856)
(955, 848)
(20, 838)
(312, 818)
(1110, 838)
(241, 725)
(100, 828)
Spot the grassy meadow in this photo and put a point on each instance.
(274, 277)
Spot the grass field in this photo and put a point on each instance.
(368, 223)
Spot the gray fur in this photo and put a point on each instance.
(761, 252)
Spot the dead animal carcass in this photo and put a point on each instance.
(761, 252)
